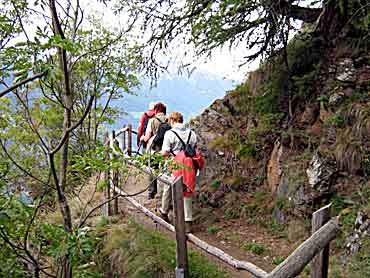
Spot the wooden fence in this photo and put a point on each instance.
(315, 248)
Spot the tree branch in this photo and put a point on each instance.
(20, 83)
(65, 135)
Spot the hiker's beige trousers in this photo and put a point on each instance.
(167, 199)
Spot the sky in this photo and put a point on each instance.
(223, 63)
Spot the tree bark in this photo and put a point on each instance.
(65, 267)
(330, 21)
(296, 262)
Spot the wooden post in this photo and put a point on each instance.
(114, 173)
(295, 263)
(124, 139)
(181, 249)
(107, 207)
(320, 264)
(129, 139)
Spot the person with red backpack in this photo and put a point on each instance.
(144, 120)
(180, 143)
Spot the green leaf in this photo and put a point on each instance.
(4, 218)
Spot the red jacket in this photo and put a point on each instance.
(188, 172)
(141, 131)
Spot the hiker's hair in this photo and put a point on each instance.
(176, 117)
(160, 107)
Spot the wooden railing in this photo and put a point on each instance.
(316, 247)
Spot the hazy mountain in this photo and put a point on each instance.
(187, 95)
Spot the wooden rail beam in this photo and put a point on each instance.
(295, 263)
(251, 268)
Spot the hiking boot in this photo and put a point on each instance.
(151, 196)
(188, 225)
(164, 216)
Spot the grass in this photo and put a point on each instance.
(254, 247)
(359, 266)
(274, 228)
(139, 253)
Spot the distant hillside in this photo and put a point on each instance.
(187, 95)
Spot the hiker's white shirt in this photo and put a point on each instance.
(171, 142)
(153, 126)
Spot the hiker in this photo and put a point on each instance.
(152, 127)
(156, 126)
(180, 143)
(144, 120)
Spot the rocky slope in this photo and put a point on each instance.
(301, 134)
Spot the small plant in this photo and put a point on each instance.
(335, 121)
(252, 220)
(323, 100)
(340, 203)
(282, 203)
(307, 222)
(216, 184)
(365, 163)
(349, 219)
(360, 264)
(247, 151)
(254, 247)
(213, 230)
(231, 213)
(277, 260)
(274, 227)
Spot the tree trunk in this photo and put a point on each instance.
(331, 21)
(64, 267)
(64, 263)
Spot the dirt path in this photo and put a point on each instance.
(228, 238)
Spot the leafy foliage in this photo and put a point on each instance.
(48, 120)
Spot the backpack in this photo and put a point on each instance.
(146, 121)
(159, 136)
(188, 149)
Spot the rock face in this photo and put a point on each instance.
(361, 230)
(346, 70)
(298, 160)
(336, 98)
(212, 127)
(274, 168)
(310, 114)
(320, 173)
